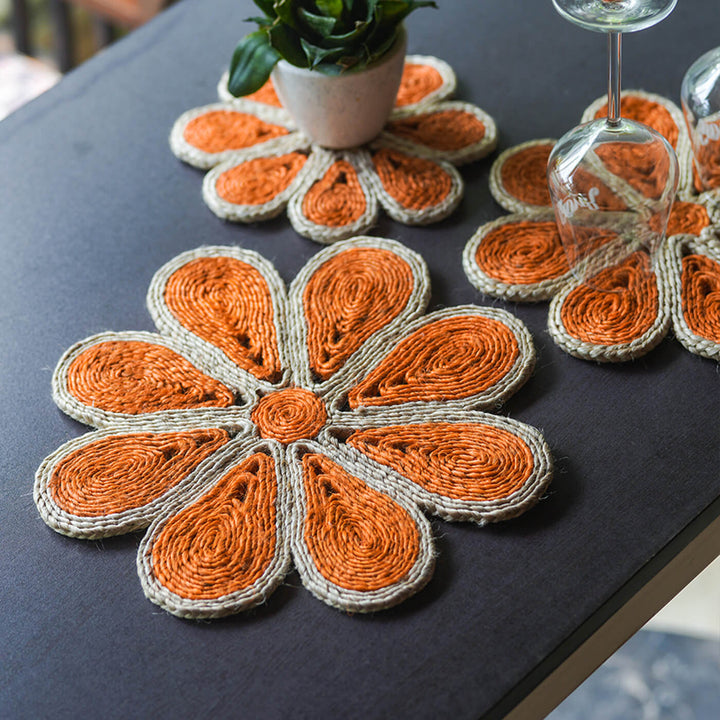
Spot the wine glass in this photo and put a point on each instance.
(701, 106)
(612, 181)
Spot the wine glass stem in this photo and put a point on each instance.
(614, 66)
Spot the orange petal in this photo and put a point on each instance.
(228, 303)
(523, 175)
(415, 183)
(124, 472)
(708, 158)
(644, 168)
(463, 461)
(444, 130)
(266, 95)
(220, 130)
(448, 359)
(337, 199)
(132, 377)
(701, 295)
(647, 112)
(358, 538)
(418, 81)
(350, 297)
(687, 218)
(225, 540)
(258, 181)
(618, 305)
(522, 253)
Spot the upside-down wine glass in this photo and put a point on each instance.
(613, 180)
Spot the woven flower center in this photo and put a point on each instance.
(289, 415)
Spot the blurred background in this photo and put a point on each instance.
(670, 670)
(41, 39)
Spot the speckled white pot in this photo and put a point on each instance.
(345, 110)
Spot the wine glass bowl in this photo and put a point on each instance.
(612, 187)
(614, 15)
(701, 107)
(612, 181)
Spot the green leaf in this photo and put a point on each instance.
(263, 22)
(251, 64)
(285, 10)
(354, 37)
(266, 6)
(319, 24)
(287, 42)
(396, 11)
(317, 55)
(380, 43)
(333, 8)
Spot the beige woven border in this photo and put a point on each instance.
(678, 246)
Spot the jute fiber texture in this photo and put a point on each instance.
(630, 304)
(261, 165)
(315, 425)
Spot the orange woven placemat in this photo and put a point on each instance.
(315, 425)
(520, 256)
(260, 164)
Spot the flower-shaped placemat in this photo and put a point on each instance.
(314, 425)
(520, 256)
(260, 163)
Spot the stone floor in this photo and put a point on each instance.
(654, 676)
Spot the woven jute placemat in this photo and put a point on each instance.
(260, 164)
(630, 305)
(315, 425)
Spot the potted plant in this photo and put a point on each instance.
(336, 64)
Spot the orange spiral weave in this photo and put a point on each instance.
(522, 253)
(266, 95)
(228, 303)
(701, 295)
(618, 305)
(258, 181)
(458, 460)
(446, 130)
(337, 199)
(137, 377)
(123, 472)
(644, 168)
(348, 298)
(648, 112)
(708, 156)
(445, 360)
(688, 218)
(290, 414)
(358, 538)
(523, 175)
(415, 183)
(418, 81)
(225, 540)
(222, 130)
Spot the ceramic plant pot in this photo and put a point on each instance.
(346, 110)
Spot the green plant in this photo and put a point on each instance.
(326, 35)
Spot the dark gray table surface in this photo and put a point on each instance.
(92, 203)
